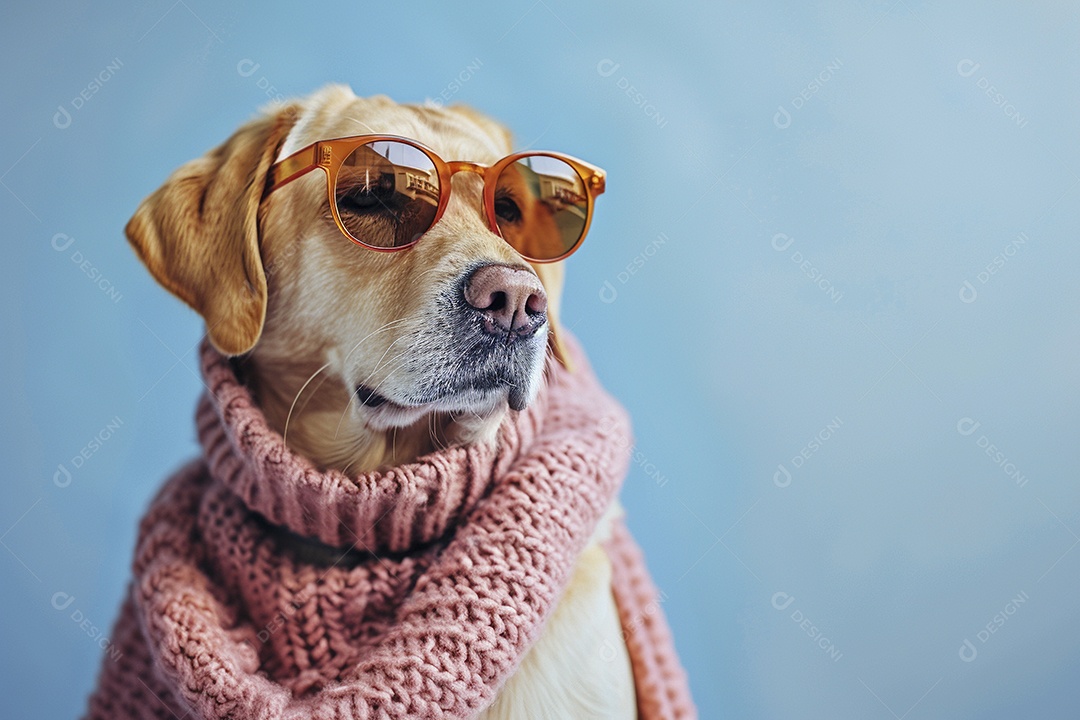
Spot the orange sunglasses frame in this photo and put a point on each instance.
(330, 155)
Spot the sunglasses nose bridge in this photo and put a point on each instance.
(465, 166)
(471, 168)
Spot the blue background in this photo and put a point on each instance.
(862, 134)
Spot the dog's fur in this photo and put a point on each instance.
(319, 319)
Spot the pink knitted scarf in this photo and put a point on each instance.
(267, 588)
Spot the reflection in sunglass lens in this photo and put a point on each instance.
(541, 206)
(387, 193)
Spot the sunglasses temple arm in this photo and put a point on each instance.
(292, 167)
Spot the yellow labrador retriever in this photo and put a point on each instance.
(338, 338)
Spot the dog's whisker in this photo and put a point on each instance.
(370, 335)
(313, 393)
(382, 357)
(401, 361)
(362, 124)
(352, 396)
(437, 443)
(352, 449)
(345, 470)
(379, 362)
(285, 433)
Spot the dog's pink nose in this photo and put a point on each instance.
(512, 299)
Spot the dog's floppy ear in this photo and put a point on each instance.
(551, 276)
(198, 234)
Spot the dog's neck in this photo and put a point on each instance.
(318, 419)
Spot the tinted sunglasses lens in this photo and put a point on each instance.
(387, 194)
(541, 206)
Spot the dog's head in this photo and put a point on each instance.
(359, 357)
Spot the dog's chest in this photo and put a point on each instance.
(579, 668)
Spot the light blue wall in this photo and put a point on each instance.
(896, 179)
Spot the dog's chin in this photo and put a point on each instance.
(474, 406)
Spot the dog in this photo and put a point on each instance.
(355, 355)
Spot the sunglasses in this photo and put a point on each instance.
(386, 191)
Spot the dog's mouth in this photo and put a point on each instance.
(369, 398)
(479, 397)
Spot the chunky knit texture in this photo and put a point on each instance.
(442, 574)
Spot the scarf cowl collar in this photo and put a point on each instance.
(390, 510)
